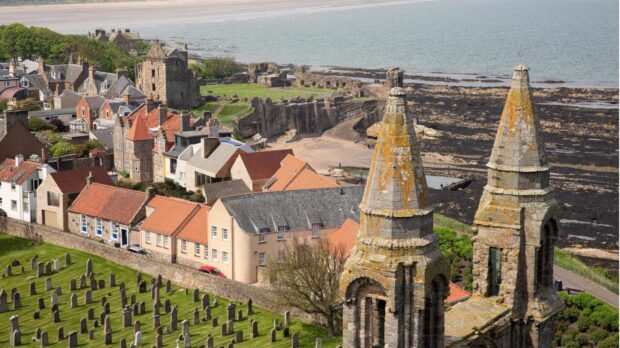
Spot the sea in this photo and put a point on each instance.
(573, 41)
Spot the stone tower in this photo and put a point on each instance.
(516, 223)
(139, 148)
(396, 279)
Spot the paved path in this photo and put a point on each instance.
(575, 281)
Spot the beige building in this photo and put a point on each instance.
(192, 240)
(58, 191)
(256, 168)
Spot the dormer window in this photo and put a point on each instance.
(316, 230)
(24, 83)
(55, 75)
(281, 231)
(104, 86)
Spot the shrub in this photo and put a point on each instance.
(217, 68)
(36, 124)
(62, 148)
(584, 323)
(609, 342)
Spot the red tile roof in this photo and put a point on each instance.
(296, 174)
(9, 172)
(345, 235)
(109, 203)
(73, 181)
(139, 131)
(262, 165)
(169, 215)
(196, 228)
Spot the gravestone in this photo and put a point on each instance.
(137, 339)
(34, 263)
(60, 334)
(239, 337)
(214, 301)
(40, 269)
(73, 285)
(112, 280)
(209, 342)
(57, 266)
(4, 307)
(167, 306)
(36, 315)
(207, 313)
(196, 295)
(215, 322)
(231, 326)
(156, 320)
(230, 312)
(318, 343)
(91, 313)
(48, 268)
(91, 334)
(205, 301)
(287, 319)
(33, 288)
(295, 340)
(196, 317)
(53, 299)
(142, 287)
(107, 330)
(73, 339)
(240, 315)
(17, 301)
(136, 326)
(173, 318)
(127, 320)
(136, 309)
(48, 284)
(224, 329)
(273, 335)
(16, 338)
(74, 300)
(9, 270)
(41, 303)
(187, 341)
(132, 299)
(88, 297)
(142, 307)
(59, 291)
(101, 284)
(93, 283)
(254, 333)
(156, 308)
(138, 278)
(285, 332)
(250, 308)
(56, 316)
(67, 259)
(95, 323)
(82, 281)
(106, 308)
(44, 339)
(159, 341)
(83, 326)
(168, 286)
(121, 286)
(89, 267)
(185, 327)
(14, 323)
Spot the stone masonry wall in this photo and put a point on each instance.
(178, 274)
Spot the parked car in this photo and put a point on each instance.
(212, 271)
(138, 250)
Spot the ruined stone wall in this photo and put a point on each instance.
(349, 86)
(257, 69)
(177, 274)
(306, 116)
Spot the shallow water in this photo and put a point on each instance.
(570, 40)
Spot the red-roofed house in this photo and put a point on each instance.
(193, 240)
(19, 181)
(296, 174)
(165, 218)
(108, 213)
(345, 236)
(58, 191)
(257, 167)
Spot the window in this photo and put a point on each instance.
(53, 199)
(13, 204)
(281, 230)
(214, 254)
(184, 247)
(214, 232)
(98, 227)
(316, 230)
(225, 257)
(83, 224)
(114, 230)
(148, 238)
(224, 234)
(159, 243)
(173, 165)
(152, 72)
(261, 259)
(165, 242)
(495, 271)
(261, 235)
(12, 187)
(196, 249)
(0, 200)
(153, 86)
(280, 255)
(25, 205)
(137, 168)
(206, 252)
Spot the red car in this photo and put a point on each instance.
(212, 271)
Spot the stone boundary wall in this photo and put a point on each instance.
(182, 275)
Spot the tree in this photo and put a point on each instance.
(217, 68)
(36, 124)
(306, 276)
(28, 104)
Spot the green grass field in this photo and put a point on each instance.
(21, 250)
(251, 90)
(225, 112)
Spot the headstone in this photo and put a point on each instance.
(142, 287)
(88, 297)
(196, 295)
(61, 334)
(17, 301)
(82, 281)
(48, 284)
(14, 323)
(185, 327)
(205, 301)
(95, 323)
(276, 324)
(44, 339)
(209, 342)
(36, 315)
(91, 313)
(74, 300)
(73, 285)
(123, 301)
(91, 334)
(137, 339)
(59, 291)
(159, 341)
(173, 318)
(136, 309)
(54, 298)
(286, 332)
(132, 299)
(287, 319)
(156, 320)
(230, 311)
(101, 284)
(224, 329)
(196, 317)
(239, 337)
(240, 315)
(250, 308)
(273, 335)
(187, 341)
(4, 307)
(41, 303)
(106, 308)
(215, 322)
(107, 330)
(57, 265)
(254, 329)
(127, 320)
(9, 270)
(48, 268)
(167, 306)
(40, 269)
(93, 283)
(83, 326)
(231, 326)
(103, 300)
(142, 307)
(156, 308)
(112, 280)
(121, 286)
(34, 263)
(214, 301)
(16, 338)
(136, 326)
(138, 278)
(168, 286)
(73, 339)
(67, 259)
(207, 313)
(57, 316)
(295, 340)
(89, 267)
(33, 288)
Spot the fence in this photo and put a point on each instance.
(572, 264)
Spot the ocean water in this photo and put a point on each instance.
(570, 40)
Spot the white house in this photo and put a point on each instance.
(19, 181)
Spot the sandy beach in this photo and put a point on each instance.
(76, 18)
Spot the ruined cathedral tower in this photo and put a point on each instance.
(517, 223)
(396, 279)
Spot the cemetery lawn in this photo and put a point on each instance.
(22, 250)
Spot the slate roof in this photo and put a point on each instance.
(217, 190)
(105, 136)
(52, 112)
(100, 77)
(169, 215)
(216, 161)
(262, 165)
(297, 209)
(73, 181)
(95, 102)
(109, 203)
(68, 72)
(10, 173)
(37, 82)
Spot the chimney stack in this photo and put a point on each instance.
(149, 193)
(90, 178)
(185, 122)
(12, 67)
(19, 159)
(209, 145)
(213, 127)
(162, 111)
